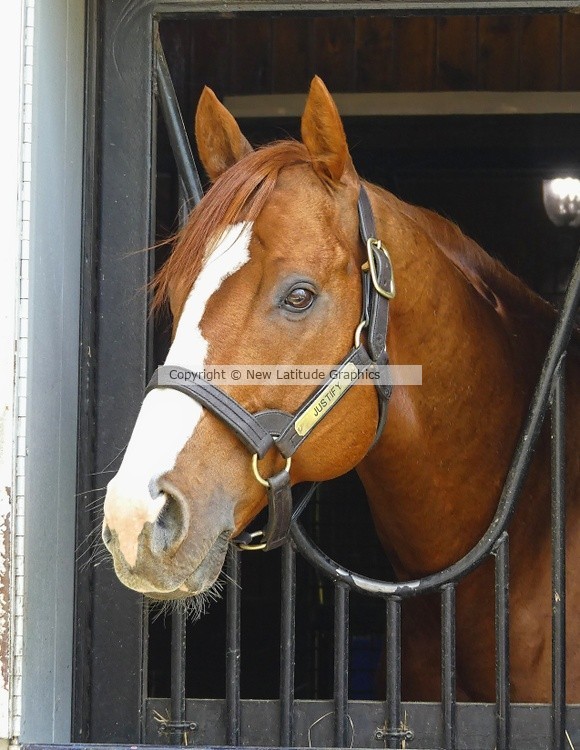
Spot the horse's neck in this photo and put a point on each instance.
(434, 478)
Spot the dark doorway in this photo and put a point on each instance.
(485, 173)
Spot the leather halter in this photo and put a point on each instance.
(286, 432)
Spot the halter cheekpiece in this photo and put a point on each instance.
(273, 428)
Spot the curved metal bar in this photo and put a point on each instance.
(176, 129)
(512, 487)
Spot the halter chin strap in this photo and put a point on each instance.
(278, 429)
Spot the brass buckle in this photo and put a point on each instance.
(371, 266)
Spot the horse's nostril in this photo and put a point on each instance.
(168, 526)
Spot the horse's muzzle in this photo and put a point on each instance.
(168, 556)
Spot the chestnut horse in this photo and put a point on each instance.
(268, 270)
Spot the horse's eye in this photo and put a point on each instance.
(300, 298)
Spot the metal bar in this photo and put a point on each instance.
(87, 423)
(178, 631)
(513, 484)
(448, 667)
(558, 442)
(393, 672)
(341, 633)
(176, 128)
(287, 645)
(233, 648)
(179, 617)
(502, 658)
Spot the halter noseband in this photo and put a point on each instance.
(274, 428)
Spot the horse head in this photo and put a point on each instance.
(266, 271)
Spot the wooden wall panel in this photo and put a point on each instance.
(290, 55)
(374, 40)
(498, 53)
(540, 57)
(453, 53)
(251, 68)
(415, 47)
(332, 52)
(211, 56)
(571, 53)
(456, 53)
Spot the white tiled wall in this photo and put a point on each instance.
(16, 57)
(21, 369)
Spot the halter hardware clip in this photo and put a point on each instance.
(371, 265)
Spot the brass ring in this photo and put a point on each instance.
(256, 471)
(359, 329)
(254, 547)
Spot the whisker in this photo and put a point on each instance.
(105, 561)
(192, 608)
(104, 469)
(94, 503)
(85, 546)
(97, 558)
(229, 579)
(88, 492)
(90, 544)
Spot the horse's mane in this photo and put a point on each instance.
(237, 195)
(486, 274)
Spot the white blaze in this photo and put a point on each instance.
(168, 418)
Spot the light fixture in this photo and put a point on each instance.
(562, 201)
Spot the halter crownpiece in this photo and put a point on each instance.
(286, 432)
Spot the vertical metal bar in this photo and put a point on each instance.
(179, 617)
(178, 630)
(87, 427)
(448, 666)
(176, 129)
(502, 657)
(341, 633)
(558, 442)
(233, 648)
(287, 645)
(393, 740)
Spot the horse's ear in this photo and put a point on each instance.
(323, 135)
(220, 142)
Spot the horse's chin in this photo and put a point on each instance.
(203, 577)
